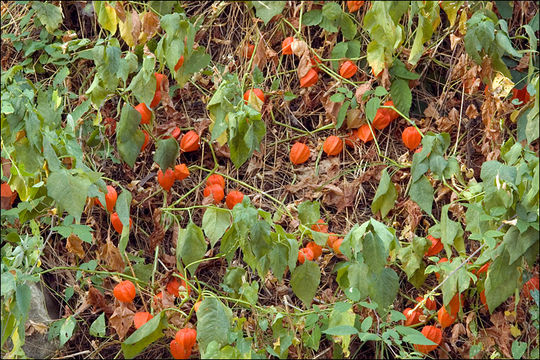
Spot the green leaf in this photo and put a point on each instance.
(214, 223)
(144, 336)
(421, 192)
(129, 138)
(191, 246)
(401, 95)
(371, 108)
(143, 85)
(383, 288)
(451, 233)
(213, 322)
(68, 191)
(337, 97)
(342, 114)
(233, 279)
(399, 70)
(374, 253)
(198, 60)
(502, 280)
(66, 330)
(312, 17)
(266, 10)
(98, 326)
(385, 197)
(166, 153)
(305, 281)
(411, 258)
(341, 330)
(48, 14)
(518, 347)
(308, 212)
(331, 10)
(341, 322)
(348, 28)
(451, 9)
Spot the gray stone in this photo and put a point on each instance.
(37, 345)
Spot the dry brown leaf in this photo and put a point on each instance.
(259, 57)
(74, 246)
(457, 330)
(454, 40)
(121, 320)
(354, 119)
(159, 233)
(304, 66)
(385, 78)
(95, 298)
(299, 48)
(431, 111)
(150, 26)
(523, 63)
(111, 255)
(332, 108)
(361, 90)
(471, 111)
(414, 214)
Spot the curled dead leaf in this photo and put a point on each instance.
(299, 48)
(121, 320)
(304, 66)
(74, 245)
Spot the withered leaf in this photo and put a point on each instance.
(97, 300)
(361, 90)
(304, 66)
(260, 58)
(74, 245)
(121, 320)
(111, 255)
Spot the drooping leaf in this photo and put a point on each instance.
(305, 281)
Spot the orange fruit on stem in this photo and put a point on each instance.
(333, 145)
(181, 172)
(233, 197)
(304, 254)
(286, 45)
(364, 133)
(141, 318)
(336, 245)
(110, 198)
(299, 153)
(124, 291)
(179, 63)
(432, 333)
(354, 5)
(430, 303)
(216, 179)
(436, 246)
(445, 319)
(411, 137)
(309, 79)
(166, 180)
(190, 142)
(216, 191)
(117, 224)
(315, 249)
(413, 317)
(347, 69)
(320, 226)
(146, 140)
(256, 91)
(146, 113)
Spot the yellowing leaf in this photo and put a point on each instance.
(501, 85)
(514, 330)
(107, 19)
